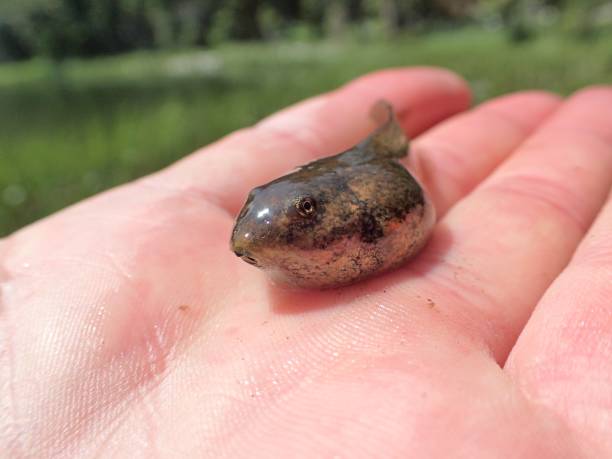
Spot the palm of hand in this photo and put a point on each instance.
(128, 328)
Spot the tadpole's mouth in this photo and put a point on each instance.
(246, 257)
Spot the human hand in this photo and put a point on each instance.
(129, 329)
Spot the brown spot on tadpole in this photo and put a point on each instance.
(371, 229)
(184, 307)
(339, 219)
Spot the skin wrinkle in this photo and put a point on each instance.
(419, 162)
(521, 187)
(191, 194)
(553, 417)
(462, 286)
(251, 422)
(160, 343)
(545, 191)
(596, 259)
(570, 130)
(109, 421)
(455, 159)
(326, 372)
(103, 445)
(8, 426)
(292, 138)
(513, 122)
(577, 136)
(153, 364)
(123, 416)
(193, 327)
(78, 427)
(126, 400)
(482, 327)
(246, 410)
(149, 415)
(6, 343)
(114, 219)
(153, 224)
(260, 421)
(314, 151)
(113, 268)
(539, 404)
(601, 97)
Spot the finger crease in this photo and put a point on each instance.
(313, 150)
(511, 121)
(471, 304)
(191, 193)
(583, 130)
(452, 164)
(544, 191)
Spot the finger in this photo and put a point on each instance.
(497, 250)
(454, 156)
(327, 124)
(562, 358)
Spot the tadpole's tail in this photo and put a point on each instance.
(389, 139)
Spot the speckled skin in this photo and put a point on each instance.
(367, 214)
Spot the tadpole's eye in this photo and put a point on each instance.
(306, 206)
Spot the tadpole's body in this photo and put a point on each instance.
(339, 219)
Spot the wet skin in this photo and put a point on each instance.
(340, 219)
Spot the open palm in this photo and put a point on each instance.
(128, 328)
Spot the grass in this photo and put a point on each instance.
(69, 131)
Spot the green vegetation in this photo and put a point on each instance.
(60, 29)
(69, 28)
(70, 130)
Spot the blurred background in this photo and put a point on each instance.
(94, 93)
